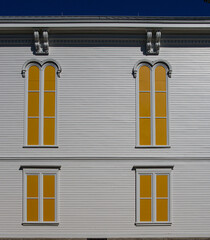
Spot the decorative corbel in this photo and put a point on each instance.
(41, 44)
(46, 42)
(37, 42)
(157, 41)
(149, 42)
(153, 43)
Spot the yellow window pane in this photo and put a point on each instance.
(49, 185)
(145, 131)
(161, 131)
(162, 209)
(162, 185)
(49, 78)
(144, 79)
(160, 104)
(49, 131)
(33, 78)
(32, 210)
(144, 104)
(145, 185)
(33, 131)
(145, 210)
(33, 104)
(49, 210)
(49, 104)
(32, 185)
(160, 79)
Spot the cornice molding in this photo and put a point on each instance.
(41, 64)
(54, 158)
(8, 41)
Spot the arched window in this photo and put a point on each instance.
(41, 107)
(152, 120)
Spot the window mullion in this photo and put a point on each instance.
(25, 197)
(153, 108)
(41, 197)
(41, 130)
(153, 197)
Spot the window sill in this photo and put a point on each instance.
(40, 223)
(154, 224)
(39, 146)
(149, 146)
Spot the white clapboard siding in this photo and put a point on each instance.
(97, 199)
(96, 101)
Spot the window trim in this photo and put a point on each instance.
(40, 172)
(153, 172)
(152, 66)
(41, 66)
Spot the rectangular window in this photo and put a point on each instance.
(40, 195)
(153, 196)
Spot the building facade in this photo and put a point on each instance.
(104, 127)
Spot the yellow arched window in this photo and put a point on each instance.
(49, 105)
(41, 105)
(33, 105)
(152, 111)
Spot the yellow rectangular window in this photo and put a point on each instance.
(152, 191)
(32, 198)
(33, 131)
(145, 210)
(162, 197)
(49, 131)
(41, 196)
(145, 198)
(145, 131)
(49, 104)
(161, 131)
(49, 197)
(144, 104)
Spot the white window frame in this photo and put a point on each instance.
(153, 173)
(152, 106)
(40, 172)
(41, 105)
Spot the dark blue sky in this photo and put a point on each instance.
(105, 7)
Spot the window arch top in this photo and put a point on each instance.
(152, 64)
(41, 64)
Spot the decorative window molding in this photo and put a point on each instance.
(41, 102)
(41, 64)
(153, 196)
(152, 110)
(40, 196)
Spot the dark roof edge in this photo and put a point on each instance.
(62, 19)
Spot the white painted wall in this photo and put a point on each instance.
(97, 199)
(96, 120)
(96, 108)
